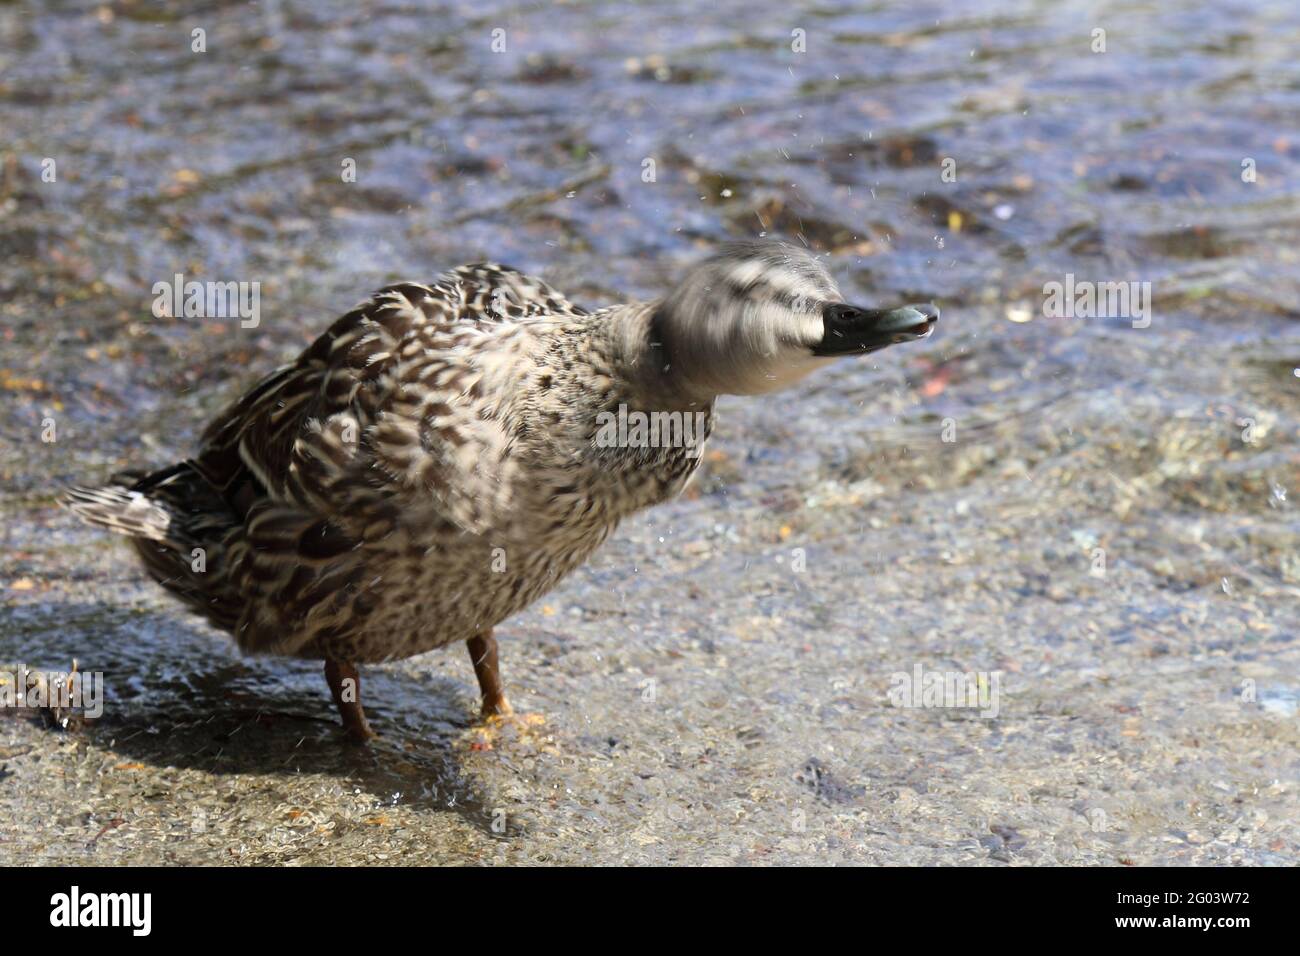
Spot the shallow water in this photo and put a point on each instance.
(1112, 526)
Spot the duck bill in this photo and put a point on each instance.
(853, 331)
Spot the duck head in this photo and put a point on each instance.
(758, 316)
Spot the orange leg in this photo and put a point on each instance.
(345, 685)
(483, 652)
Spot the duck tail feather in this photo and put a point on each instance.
(125, 511)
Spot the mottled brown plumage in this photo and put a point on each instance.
(434, 462)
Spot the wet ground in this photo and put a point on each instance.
(1098, 518)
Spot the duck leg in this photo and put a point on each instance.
(483, 652)
(345, 685)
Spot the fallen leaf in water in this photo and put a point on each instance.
(936, 383)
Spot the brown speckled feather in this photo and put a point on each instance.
(316, 458)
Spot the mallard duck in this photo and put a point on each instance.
(439, 458)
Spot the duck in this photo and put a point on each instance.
(438, 459)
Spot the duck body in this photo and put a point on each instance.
(424, 470)
(440, 457)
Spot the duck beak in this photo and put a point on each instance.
(852, 331)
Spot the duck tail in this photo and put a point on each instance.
(120, 509)
(128, 507)
(176, 522)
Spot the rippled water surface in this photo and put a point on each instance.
(1111, 525)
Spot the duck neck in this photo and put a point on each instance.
(640, 357)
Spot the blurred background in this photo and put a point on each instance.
(1102, 513)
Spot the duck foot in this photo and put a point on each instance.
(483, 653)
(511, 731)
(498, 721)
(345, 684)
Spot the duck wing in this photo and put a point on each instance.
(297, 432)
(393, 419)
